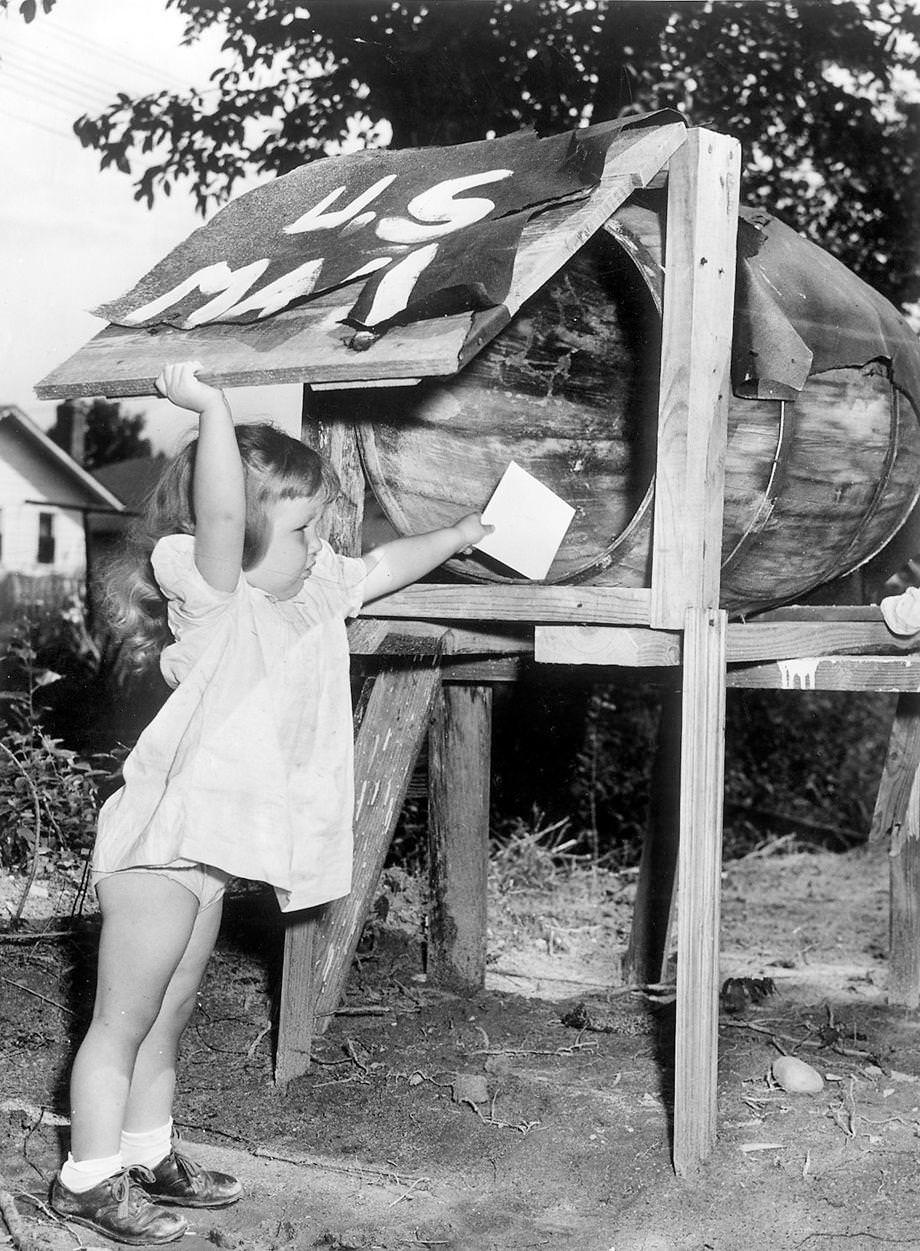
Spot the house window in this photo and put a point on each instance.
(45, 539)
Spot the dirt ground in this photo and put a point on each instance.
(562, 1138)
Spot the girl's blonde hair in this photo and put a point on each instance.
(275, 467)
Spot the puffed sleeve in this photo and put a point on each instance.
(902, 612)
(191, 599)
(342, 579)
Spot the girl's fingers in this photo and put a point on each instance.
(172, 377)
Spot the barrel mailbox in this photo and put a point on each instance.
(823, 450)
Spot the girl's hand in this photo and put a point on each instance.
(471, 530)
(180, 385)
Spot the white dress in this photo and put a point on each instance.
(248, 765)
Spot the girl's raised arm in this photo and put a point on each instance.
(395, 564)
(218, 490)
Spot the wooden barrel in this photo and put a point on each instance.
(814, 487)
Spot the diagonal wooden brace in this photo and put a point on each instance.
(320, 943)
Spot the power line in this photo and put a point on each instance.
(48, 89)
(62, 69)
(119, 58)
(30, 121)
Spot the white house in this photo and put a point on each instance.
(46, 499)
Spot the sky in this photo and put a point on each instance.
(72, 236)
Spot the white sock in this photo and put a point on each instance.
(148, 1147)
(81, 1175)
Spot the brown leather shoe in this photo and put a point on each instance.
(120, 1208)
(180, 1181)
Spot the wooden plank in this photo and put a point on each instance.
(699, 875)
(387, 745)
(695, 384)
(899, 771)
(646, 956)
(622, 645)
(363, 383)
(338, 442)
(897, 818)
(479, 671)
(295, 1009)
(831, 673)
(632, 647)
(904, 915)
(306, 344)
(515, 602)
(371, 636)
(786, 640)
(459, 754)
(823, 612)
(368, 637)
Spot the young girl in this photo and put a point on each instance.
(245, 772)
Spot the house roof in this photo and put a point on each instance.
(131, 480)
(15, 420)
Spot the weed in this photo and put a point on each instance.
(531, 853)
(47, 792)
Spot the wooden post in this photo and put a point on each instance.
(897, 816)
(696, 335)
(295, 1018)
(904, 916)
(693, 404)
(646, 956)
(699, 874)
(458, 832)
(339, 444)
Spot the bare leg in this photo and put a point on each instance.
(153, 1081)
(147, 923)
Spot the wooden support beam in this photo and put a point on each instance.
(695, 384)
(370, 636)
(747, 641)
(295, 1015)
(897, 818)
(646, 956)
(899, 772)
(632, 647)
(459, 755)
(482, 670)
(699, 873)
(904, 916)
(697, 311)
(338, 442)
(515, 602)
(831, 673)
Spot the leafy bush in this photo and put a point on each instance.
(47, 793)
(805, 763)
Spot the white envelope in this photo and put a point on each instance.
(530, 522)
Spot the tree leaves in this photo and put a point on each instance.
(813, 92)
(29, 8)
